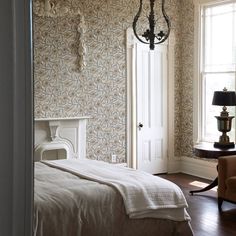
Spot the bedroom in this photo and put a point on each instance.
(183, 90)
(99, 90)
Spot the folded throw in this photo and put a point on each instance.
(143, 193)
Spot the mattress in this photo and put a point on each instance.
(68, 205)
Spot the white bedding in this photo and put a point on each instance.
(144, 195)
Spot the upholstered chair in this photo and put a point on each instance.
(226, 179)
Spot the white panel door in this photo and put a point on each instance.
(151, 72)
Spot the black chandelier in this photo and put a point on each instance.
(150, 35)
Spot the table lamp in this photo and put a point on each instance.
(224, 98)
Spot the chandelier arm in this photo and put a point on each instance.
(135, 22)
(167, 22)
(167, 19)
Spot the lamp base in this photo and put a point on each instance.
(224, 145)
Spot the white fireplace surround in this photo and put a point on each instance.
(54, 134)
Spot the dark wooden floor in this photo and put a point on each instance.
(203, 209)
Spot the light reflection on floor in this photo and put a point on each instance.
(202, 185)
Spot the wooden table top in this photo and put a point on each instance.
(207, 150)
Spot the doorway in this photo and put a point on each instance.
(150, 105)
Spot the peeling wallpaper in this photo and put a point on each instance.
(99, 90)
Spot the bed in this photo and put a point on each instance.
(94, 198)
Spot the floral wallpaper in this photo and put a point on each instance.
(99, 89)
(184, 82)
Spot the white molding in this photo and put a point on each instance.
(198, 95)
(68, 134)
(211, 2)
(196, 80)
(63, 118)
(171, 98)
(192, 166)
(131, 101)
(201, 168)
(48, 8)
(131, 98)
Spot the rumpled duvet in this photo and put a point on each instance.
(77, 197)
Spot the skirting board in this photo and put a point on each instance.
(200, 168)
(174, 166)
(193, 166)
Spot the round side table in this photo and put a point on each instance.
(207, 150)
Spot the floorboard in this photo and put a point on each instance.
(203, 208)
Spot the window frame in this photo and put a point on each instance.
(198, 106)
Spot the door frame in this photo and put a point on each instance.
(131, 122)
(16, 93)
(23, 172)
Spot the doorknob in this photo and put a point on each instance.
(140, 125)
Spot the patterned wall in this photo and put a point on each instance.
(99, 90)
(184, 82)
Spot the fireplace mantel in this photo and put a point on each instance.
(63, 133)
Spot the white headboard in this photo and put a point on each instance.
(60, 135)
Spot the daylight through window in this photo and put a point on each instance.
(218, 64)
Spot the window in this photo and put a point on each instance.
(217, 64)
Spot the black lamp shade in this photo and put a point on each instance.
(224, 98)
